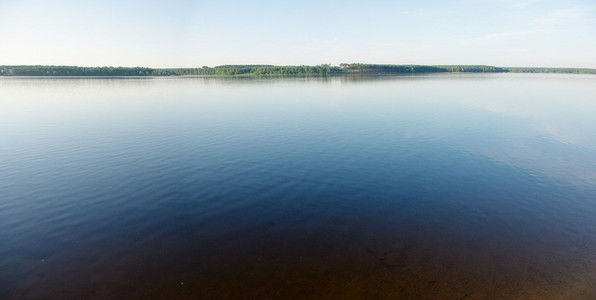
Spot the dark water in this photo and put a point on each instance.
(438, 187)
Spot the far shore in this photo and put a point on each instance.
(271, 70)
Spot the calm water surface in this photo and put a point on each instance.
(441, 187)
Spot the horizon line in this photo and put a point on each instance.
(288, 65)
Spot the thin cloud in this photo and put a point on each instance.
(551, 22)
(327, 42)
(559, 16)
(504, 36)
(316, 44)
(516, 4)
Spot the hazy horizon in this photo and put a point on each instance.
(279, 65)
(183, 33)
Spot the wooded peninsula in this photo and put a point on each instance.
(271, 70)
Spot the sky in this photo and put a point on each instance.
(183, 33)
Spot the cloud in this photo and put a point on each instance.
(510, 35)
(504, 36)
(517, 4)
(330, 41)
(550, 22)
(559, 16)
(316, 45)
(509, 4)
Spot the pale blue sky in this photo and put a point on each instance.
(182, 33)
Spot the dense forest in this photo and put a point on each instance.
(227, 70)
(552, 70)
(270, 70)
(404, 69)
(258, 70)
(75, 71)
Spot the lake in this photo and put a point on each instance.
(442, 186)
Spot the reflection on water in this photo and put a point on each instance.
(442, 186)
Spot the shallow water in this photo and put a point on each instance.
(473, 186)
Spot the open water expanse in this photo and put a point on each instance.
(444, 186)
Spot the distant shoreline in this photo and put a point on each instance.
(271, 70)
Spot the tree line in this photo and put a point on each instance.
(77, 71)
(270, 70)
